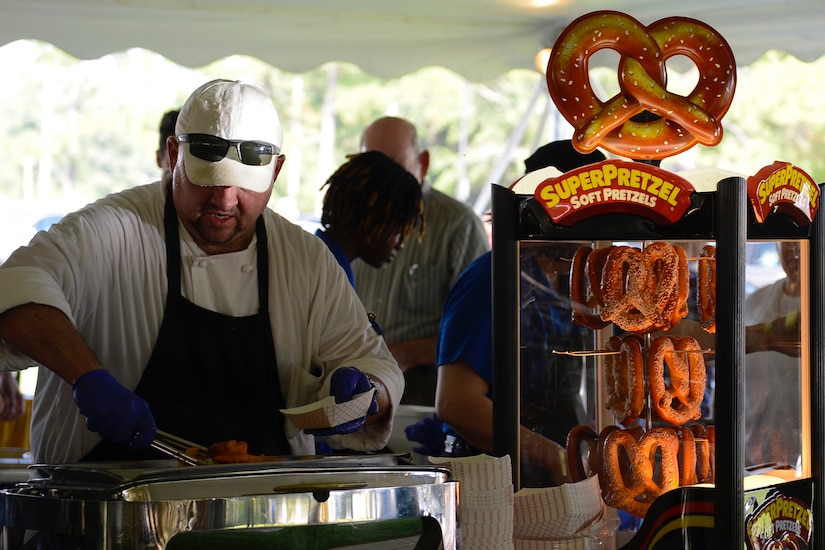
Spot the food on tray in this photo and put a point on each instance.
(228, 452)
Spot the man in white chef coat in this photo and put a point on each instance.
(189, 306)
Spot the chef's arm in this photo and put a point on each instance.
(419, 351)
(45, 334)
(384, 404)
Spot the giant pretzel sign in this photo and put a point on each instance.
(679, 122)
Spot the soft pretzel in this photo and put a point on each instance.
(645, 290)
(633, 489)
(582, 465)
(595, 268)
(625, 288)
(583, 294)
(704, 473)
(707, 288)
(710, 433)
(624, 370)
(635, 466)
(678, 401)
(670, 282)
(687, 456)
(677, 309)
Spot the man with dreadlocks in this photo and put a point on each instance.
(371, 206)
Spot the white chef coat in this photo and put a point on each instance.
(105, 268)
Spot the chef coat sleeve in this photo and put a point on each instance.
(320, 325)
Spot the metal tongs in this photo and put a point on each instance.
(177, 447)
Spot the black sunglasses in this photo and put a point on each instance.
(214, 148)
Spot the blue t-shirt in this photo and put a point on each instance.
(467, 320)
(550, 382)
(466, 330)
(338, 252)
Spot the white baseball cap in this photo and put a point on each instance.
(233, 111)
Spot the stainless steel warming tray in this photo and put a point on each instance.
(147, 505)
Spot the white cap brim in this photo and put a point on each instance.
(228, 172)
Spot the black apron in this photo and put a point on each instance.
(211, 377)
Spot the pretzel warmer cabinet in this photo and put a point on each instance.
(714, 487)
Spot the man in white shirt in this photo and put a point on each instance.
(187, 305)
(407, 296)
(773, 391)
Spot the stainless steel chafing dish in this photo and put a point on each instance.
(147, 505)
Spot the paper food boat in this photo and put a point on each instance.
(327, 414)
(557, 512)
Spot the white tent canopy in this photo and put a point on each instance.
(479, 39)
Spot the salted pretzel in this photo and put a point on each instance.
(645, 290)
(595, 269)
(625, 289)
(679, 400)
(687, 456)
(707, 288)
(633, 489)
(626, 461)
(679, 122)
(584, 296)
(583, 464)
(678, 308)
(704, 450)
(624, 371)
(586, 286)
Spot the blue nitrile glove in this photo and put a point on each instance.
(429, 432)
(112, 411)
(344, 384)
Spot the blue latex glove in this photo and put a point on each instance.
(344, 384)
(112, 411)
(430, 433)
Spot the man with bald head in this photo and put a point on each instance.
(407, 295)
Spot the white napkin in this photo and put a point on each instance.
(485, 511)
